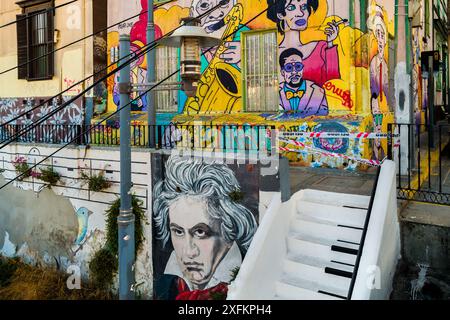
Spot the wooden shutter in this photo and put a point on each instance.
(50, 43)
(22, 46)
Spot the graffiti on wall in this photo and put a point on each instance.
(379, 72)
(13, 107)
(204, 218)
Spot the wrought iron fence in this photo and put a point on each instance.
(229, 137)
(422, 156)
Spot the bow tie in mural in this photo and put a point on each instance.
(298, 94)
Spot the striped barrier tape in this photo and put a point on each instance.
(373, 163)
(355, 135)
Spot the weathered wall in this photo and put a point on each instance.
(71, 64)
(65, 225)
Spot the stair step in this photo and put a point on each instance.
(331, 215)
(320, 263)
(330, 232)
(336, 199)
(318, 275)
(324, 241)
(298, 247)
(314, 286)
(288, 292)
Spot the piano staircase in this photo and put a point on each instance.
(322, 246)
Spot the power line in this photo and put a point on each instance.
(82, 81)
(76, 41)
(119, 109)
(135, 56)
(37, 13)
(87, 131)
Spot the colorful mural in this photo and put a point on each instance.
(204, 218)
(328, 71)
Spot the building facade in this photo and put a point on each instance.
(301, 66)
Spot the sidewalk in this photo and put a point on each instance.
(332, 180)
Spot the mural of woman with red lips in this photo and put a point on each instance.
(321, 58)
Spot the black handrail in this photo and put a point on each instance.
(363, 235)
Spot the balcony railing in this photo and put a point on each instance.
(232, 137)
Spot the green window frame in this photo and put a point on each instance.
(260, 70)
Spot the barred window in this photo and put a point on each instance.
(260, 71)
(35, 41)
(166, 64)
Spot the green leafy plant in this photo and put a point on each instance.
(95, 182)
(103, 265)
(22, 168)
(50, 176)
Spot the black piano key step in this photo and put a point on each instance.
(338, 272)
(332, 294)
(344, 250)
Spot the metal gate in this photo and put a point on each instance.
(422, 156)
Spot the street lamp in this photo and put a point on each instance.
(190, 37)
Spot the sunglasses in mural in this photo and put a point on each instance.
(290, 67)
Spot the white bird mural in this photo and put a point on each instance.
(83, 217)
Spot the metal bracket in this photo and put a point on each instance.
(124, 88)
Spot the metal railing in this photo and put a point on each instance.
(363, 235)
(422, 156)
(228, 137)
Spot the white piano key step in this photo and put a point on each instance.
(331, 215)
(304, 248)
(330, 232)
(321, 263)
(336, 199)
(288, 292)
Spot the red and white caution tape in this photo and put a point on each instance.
(355, 135)
(373, 163)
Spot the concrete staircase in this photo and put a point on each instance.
(306, 248)
(322, 245)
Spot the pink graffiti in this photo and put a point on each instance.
(69, 83)
(344, 95)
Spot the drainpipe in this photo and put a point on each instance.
(126, 217)
(151, 77)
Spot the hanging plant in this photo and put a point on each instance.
(22, 168)
(103, 265)
(96, 183)
(50, 176)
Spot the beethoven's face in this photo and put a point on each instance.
(293, 70)
(197, 240)
(380, 34)
(297, 15)
(214, 20)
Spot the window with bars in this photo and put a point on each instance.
(166, 64)
(35, 42)
(260, 71)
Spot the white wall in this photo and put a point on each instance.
(70, 162)
(382, 245)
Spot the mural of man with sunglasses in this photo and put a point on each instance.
(303, 97)
(378, 152)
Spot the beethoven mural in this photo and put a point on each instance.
(201, 229)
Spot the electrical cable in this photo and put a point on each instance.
(87, 131)
(82, 81)
(79, 40)
(109, 116)
(37, 13)
(135, 56)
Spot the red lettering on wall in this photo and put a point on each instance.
(344, 95)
